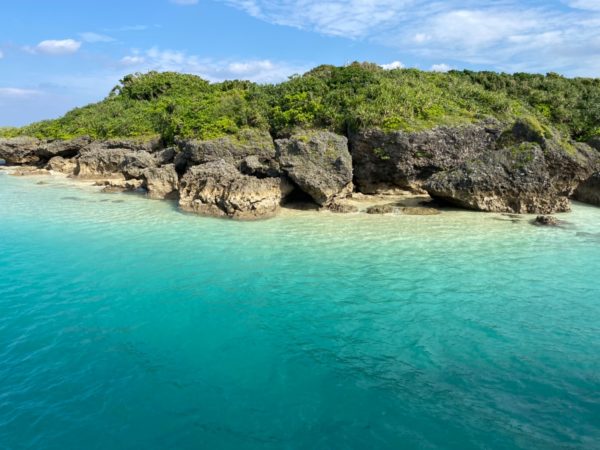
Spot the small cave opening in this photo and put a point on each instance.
(300, 200)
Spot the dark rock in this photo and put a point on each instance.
(382, 209)
(97, 161)
(260, 167)
(231, 149)
(517, 177)
(384, 160)
(161, 182)
(546, 221)
(319, 163)
(342, 208)
(595, 143)
(166, 156)
(219, 189)
(64, 149)
(589, 190)
(20, 150)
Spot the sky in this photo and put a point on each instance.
(59, 54)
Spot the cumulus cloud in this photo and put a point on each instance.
(504, 35)
(440, 68)
(57, 47)
(393, 65)
(258, 70)
(93, 38)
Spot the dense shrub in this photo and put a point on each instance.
(341, 99)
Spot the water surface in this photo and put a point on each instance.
(126, 324)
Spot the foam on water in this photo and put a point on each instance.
(126, 324)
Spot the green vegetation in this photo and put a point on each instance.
(341, 99)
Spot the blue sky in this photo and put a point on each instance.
(58, 54)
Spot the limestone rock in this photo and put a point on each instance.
(319, 163)
(546, 221)
(161, 182)
(589, 190)
(529, 171)
(65, 149)
(20, 150)
(97, 161)
(219, 189)
(232, 149)
(62, 165)
(388, 160)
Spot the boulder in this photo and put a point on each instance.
(232, 149)
(161, 182)
(524, 177)
(382, 209)
(589, 190)
(116, 185)
(97, 161)
(342, 208)
(218, 189)
(65, 149)
(319, 163)
(546, 221)
(387, 160)
(20, 150)
(62, 165)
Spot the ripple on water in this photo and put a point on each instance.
(127, 324)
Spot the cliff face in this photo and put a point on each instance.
(520, 168)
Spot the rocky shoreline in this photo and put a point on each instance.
(516, 168)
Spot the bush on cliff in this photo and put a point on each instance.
(340, 99)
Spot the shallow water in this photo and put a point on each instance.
(126, 324)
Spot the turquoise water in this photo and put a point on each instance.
(125, 324)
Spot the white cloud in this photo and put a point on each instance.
(93, 38)
(185, 2)
(506, 35)
(10, 92)
(258, 70)
(1, 54)
(592, 5)
(393, 65)
(440, 68)
(57, 47)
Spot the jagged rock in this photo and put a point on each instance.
(62, 165)
(319, 163)
(260, 167)
(96, 161)
(219, 189)
(342, 208)
(419, 211)
(20, 150)
(111, 186)
(232, 149)
(529, 170)
(150, 146)
(161, 182)
(65, 149)
(387, 160)
(589, 190)
(27, 171)
(382, 209)
(166, 156)
(546, 221)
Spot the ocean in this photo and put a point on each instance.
(127, 324)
